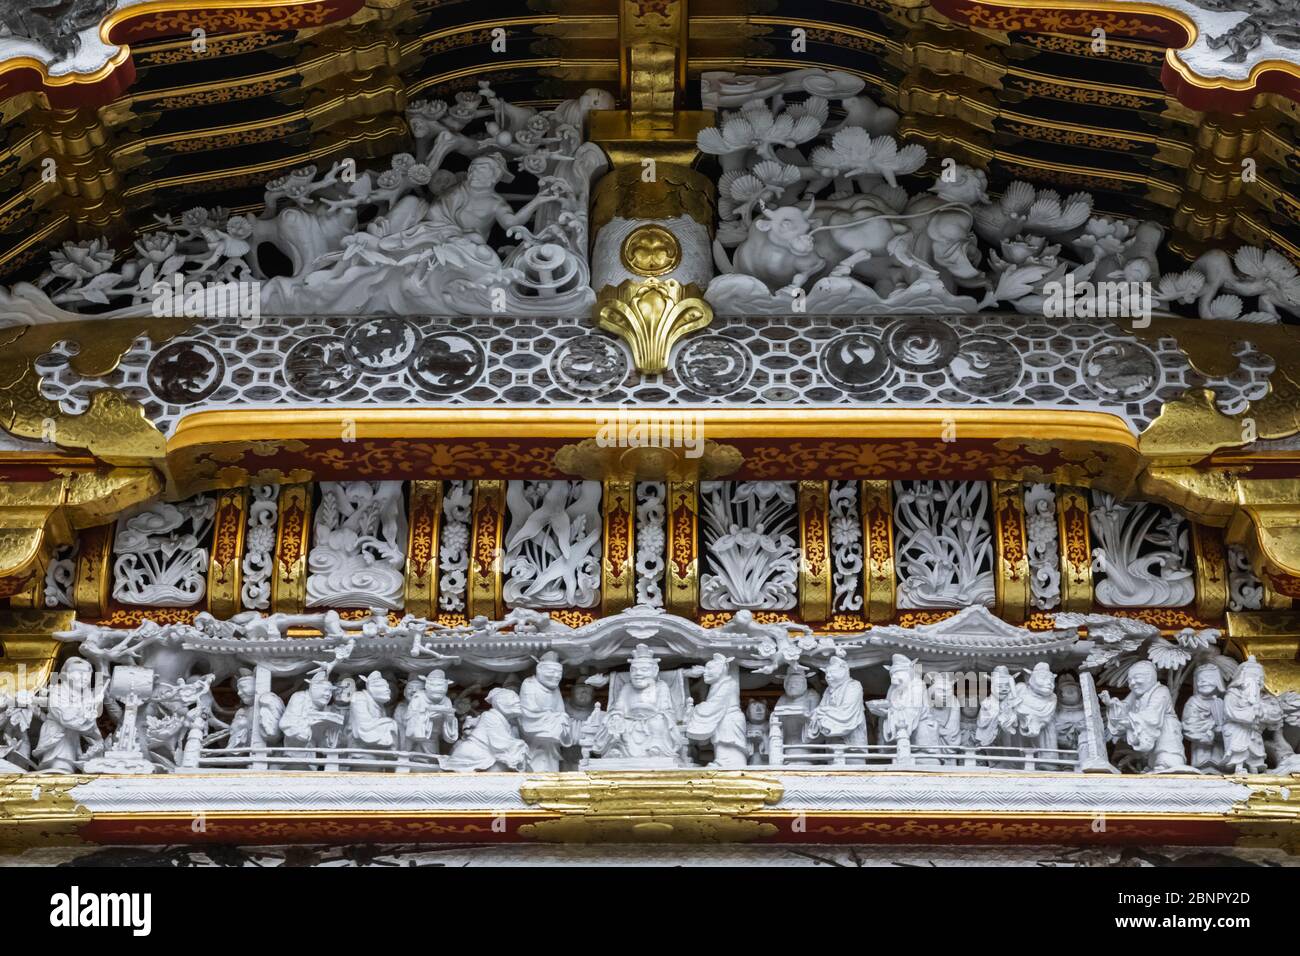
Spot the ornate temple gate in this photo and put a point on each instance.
(1141, 473)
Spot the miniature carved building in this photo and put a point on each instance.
(635, 412)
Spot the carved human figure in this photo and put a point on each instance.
(641, 720)
(268, 712)
(431, 715)
(369, 725)
(492, 743)
(17, 712)
(69, 733)
(840, 715)
(1069, 712)
(341, 735)
(904, 708)
(998, 722)
(757, 730)
(1035, 702)
(412, 689)
(1203, 718)
(796, 705)
(308, 720)
(544, 721)
(940, 727)
(1244, 720)
(1147, 721)
(718, 719)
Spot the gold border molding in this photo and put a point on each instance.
(681, 580)
(878, 560)
(292, 543)
(618, 556)
(422, 549)
(225, 568)
(1011, 552)
(486, 558)
(815, 551)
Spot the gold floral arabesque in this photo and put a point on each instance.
(650, 250)
(650, 806)
(652, 315)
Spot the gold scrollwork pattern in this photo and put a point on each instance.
(1075, 539)
(878, 536)
(1011, 553)
(292, 541)
(618, 565)
(682, 595)
(225, 575)
(487, 528)
(422, 548)
(815, 570)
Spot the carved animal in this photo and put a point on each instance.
(778, 251)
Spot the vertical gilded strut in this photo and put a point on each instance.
(1211, 560)
(815, 557)
(1076, 548)
(486, 559)
(618, 571)
(1011, 554)
(292, 541)
(225, 576)
(683, 589)
(90, 592)
(878, 536)
(422, 548)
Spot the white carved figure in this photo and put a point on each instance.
(749, 548)
(308, 720)
(642, 718)
(998, 722)
(552, 549)
(1142, 554)
(158, 558)
(413, 689)
(1203, 716)
(718, 719)
(841, 715)
(1069, 712)
(266, 714)
(1036, 704)
(544, 720)
(796, 705)
(1147, 722)
(943, 544)
(757, 731)
(430, 715)
(904, 709)
(1244, 720)
(941, 722)
(369, 725)
(492, 741)
(69, 733)
(358, 552)
(17, 714)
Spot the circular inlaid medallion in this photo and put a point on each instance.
(186, 372)
(986, 366)
(382, 344)
(854, 361)
(446, 362)
(589, 366)
(650, 250)
(713, 365)
(921, 344)
(1121, 371)
(320, 367)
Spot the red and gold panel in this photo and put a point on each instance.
(94, 574)
(815, 552)
(1211, 561)
(225, 575)
(422, 548)
(1076, 549)
(1010, 551)
(682, 590)
(878, 559)
(487, 528)
(618, 564)
(292, 542)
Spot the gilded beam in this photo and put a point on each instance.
(486, 558)
(682, 592)
(618, 559)
(878, 536)
(425, 520)
(1075, 540)
(292, 543)
(815, 566)
(225, 573)
(1211, 567)
(1011, 551)
(1273, 638)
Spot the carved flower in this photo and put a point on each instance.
(82, 260)
(763, 491)
(402, 162)
(1167, 655)
(389, 179)
(156, 247)
(1194, 640)
(455, 537)
(845, 531)
(1104, 236)
(534, 163)
(419, 173)
(195, 218)
(240, 227)
(1024, 250)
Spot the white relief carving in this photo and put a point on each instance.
(158, 557)
(453, 545)
(943, 543)
(1042, 544)
(61, 575)
(358, 545)
(750, 553)
(846, 545)
(414, 238)
(814, 209)
(259, 547)
(552, 548)
(1245, 590)
(1141, 554)
(651, 539)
